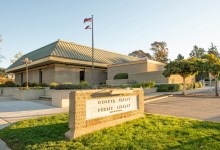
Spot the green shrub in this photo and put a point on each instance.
(34, 84)
(43, 85)
(189, 86)
(10, 84)
(53, 85)
(71, 86)
(24, 84)
(103, 82)
(147, 84)
(169, 87)
(197, 85)
(84, 84)
(136, 85)
(121, 76)
(67, 83)
(2, 85)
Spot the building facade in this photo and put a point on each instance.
(143, 70)
(66, 62)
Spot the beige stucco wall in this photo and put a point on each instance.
(155, 67)
(130, 68)
(179, 79)
(48, 74)
(66, 74)
(33, 76)
(100, 75)
(148, 76)
(156, 76)
(62, 73)
(18, 78)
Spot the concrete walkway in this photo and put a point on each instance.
(159, 94)
(12, 110)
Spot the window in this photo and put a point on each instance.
(40, 76)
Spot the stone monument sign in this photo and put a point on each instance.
(91, 110)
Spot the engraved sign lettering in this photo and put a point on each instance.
(102, 107)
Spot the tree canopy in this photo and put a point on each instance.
(160, 51)
(16, 57)
(197, 52)
(179, 57)
(212, 65)
(140, 54)
(184, 68)
(213, 50)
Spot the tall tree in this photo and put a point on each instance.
(16, 57)
(197, 52)
(212, 65)
(213, 50)
(140, 54)
(160, 51)
(184, 68)
(179, 57)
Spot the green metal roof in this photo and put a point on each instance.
(74, 51)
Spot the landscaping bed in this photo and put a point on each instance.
(149, 132)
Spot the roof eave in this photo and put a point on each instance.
(56, 59)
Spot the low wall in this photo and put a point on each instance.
(48, 92)
(8, 91)
(149, 90)
(212, 83)
(31, 94)
(60, 98)
(92, 110)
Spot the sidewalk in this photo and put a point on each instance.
(12, 110)
(161, 94)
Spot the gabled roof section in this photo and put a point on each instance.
(74, 51)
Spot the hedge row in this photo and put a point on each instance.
(9, 84)
(34, 84)
(121, 76)
(145, 84)
(177, 87)
(68, 86)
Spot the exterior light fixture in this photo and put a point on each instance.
(27, 61)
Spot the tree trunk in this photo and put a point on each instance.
(184, 85)
(216, 86)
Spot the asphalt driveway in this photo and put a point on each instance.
(190, 107)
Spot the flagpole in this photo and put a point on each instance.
(92, 55)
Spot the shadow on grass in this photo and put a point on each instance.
(20, 138)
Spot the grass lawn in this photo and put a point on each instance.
(150, 132)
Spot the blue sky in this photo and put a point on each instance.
(119, 26)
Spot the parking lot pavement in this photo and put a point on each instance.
(190, 107)
(12, 110)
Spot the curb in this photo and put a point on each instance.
(3, 145)
(156, 98)
(191, 96)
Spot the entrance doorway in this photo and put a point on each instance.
(82, 75)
